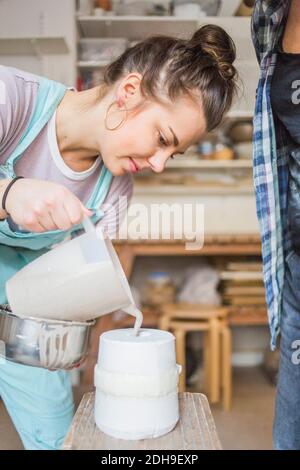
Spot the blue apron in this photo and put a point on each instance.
(18, 248)
(39, 401)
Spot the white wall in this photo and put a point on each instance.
(40, 19)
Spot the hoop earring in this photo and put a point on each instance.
(107, 116)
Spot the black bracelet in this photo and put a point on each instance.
(7, 190)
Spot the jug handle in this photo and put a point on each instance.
(88, 225)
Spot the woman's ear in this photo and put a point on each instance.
(128, 92)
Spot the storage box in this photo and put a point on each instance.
(101, 49)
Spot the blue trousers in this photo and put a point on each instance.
(286, 430)
(39, 402)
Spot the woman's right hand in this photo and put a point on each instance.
(40, 206)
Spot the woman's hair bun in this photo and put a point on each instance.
(213, 42)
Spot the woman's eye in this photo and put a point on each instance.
(162, 141)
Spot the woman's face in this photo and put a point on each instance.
(151, 134)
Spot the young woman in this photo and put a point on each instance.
(76, 152)
(276, 35)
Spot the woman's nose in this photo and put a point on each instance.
(158, 161)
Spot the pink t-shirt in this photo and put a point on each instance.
(42, 159)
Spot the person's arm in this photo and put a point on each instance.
(40, 206)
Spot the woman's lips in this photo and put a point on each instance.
(132, 166)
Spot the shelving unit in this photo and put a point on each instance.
(134, 27)
(138, 27)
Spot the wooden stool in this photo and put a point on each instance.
(195, 429)
(183, 318)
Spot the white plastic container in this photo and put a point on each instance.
(101, 49)
(79, 280)
(136, 381)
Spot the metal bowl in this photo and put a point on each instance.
(51, 344)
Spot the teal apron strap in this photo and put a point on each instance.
(101, 189)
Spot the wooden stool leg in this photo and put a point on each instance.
(226, 368)
(164, 322)
(180, 353)
(206, 363)
(214, 332)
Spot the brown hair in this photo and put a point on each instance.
(171, 66)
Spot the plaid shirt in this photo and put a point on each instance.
(272, 146)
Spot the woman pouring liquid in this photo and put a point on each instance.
(65, 154)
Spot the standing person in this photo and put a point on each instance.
(276, 37)
(76, 152)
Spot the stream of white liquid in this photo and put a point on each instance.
(133, 310)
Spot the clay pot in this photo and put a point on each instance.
(245, 8)
(241, 131)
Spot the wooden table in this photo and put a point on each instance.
(195, 430)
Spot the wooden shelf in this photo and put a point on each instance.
(236, 114)
(33, 45)
(248, 316)
(194, 162)
(92, 64)
(187, 190)
(134, 27)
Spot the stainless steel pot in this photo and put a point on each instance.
(51, 344)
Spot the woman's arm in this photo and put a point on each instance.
(40, 206)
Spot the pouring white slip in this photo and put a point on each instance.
(79, 280)
(131, 309)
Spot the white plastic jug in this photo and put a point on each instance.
(79, 280)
